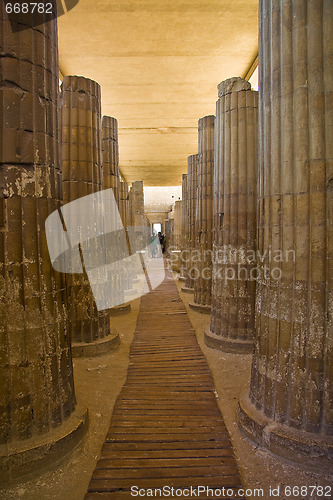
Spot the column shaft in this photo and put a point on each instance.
(110, 149)
(234, 273)
(184, 238)
(191, 265)
(289, 408)
(111, 180)
(82, 175)
(174, 247)
(37, 398)
(204, 215)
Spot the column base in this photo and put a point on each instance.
(97, 348)
(119, 310)
(302, 448)
(235, 346)
(200, 308)
(25, 460)
(184, 289)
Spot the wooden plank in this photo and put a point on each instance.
(175, 445)
(108, 452)
(226, 470)
(178, 482)
(135, 463)
(167, 437)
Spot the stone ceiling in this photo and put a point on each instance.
(158, 63)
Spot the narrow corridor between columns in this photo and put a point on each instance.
(166, 429)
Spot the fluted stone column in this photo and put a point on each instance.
(168, 233)
(184, 239)
(125, 213)
(83, 175)
(289, 407)
(111, 179)
(123, 203)
(39, 422)
(131, 206)
(234, 270)
(175, 245)
(138, 221)
(138, 204)
(191, 265)
(177, 224)
(110, 149)
(204, 215)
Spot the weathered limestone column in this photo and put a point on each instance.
(82, 175)
(123, 203)
(138, 204)
(289, 407)
(191, 265)
(175, 246)
(204, 215)
(138, 213)
(38, 420)
(138, 221)
(110, 149)
(184, 239)
(125, 213)
(234, 270)
(177, 231)
(111, 179)
(168, 233)
(131, 206)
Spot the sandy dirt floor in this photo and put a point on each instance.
(98, 382)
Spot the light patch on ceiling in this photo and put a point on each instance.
(161, 198)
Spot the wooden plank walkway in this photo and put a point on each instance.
(166, 428)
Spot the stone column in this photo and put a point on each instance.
(38, 420)
(138, 221)
(175, 247)
(111, 179)
(204, 215)
(125, 212)
(177, 232)
(192, 168)
(168, 233)
(289, 407)
(138, 204)
(184, 239)
(138, 213)
(234, 271)
(131, 206)
(123, 203)
(82, 175)
(110, 148)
